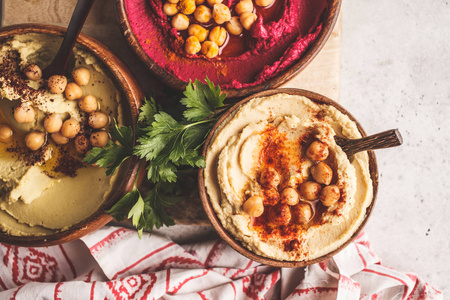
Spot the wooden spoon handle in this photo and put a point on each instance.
(386, 139)
(59, 64)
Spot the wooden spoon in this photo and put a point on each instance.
(59, 64)
(386, 139)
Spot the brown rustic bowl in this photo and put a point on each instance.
(131, 92)
(329, 21)
(235, 243)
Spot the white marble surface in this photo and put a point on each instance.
(396, 74)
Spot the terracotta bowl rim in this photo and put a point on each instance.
(281, 78)
(132, 92)
(235, 244)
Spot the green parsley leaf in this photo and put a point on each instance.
(112, 155)
(201, 101)
(136, 211)
(149, 212)
(169, 143)
(123, 135)
(123, 207)
(147, 112)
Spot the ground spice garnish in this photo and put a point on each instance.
(30, 158)
(11, 76)
(67, 164)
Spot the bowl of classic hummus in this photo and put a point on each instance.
(48, 195)
(277, 187)
(245, 46)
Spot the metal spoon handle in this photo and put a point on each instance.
(59, 64)
(386, 139)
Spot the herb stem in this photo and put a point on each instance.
(198, 123)
(142, 162)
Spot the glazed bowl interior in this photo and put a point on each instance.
(329, 20)
(130, 92)
(226, 236)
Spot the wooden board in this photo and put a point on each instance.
(321, 76)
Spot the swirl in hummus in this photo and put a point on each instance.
(261, 151)
(49, 189)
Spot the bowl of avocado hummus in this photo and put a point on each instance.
(48, 195)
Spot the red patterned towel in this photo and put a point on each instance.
(112, 263)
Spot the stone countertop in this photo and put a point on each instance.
(395, 74)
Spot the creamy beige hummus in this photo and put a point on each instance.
(36, 198)
(239, 148)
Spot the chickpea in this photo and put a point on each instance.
(330, 195)
(52, 123)
(180, 22)
(280, 214)
(210, 49)
(310, 190)
(254, 206)
(192, 45)
(198, 2)
(73, 91)
(234, 26)
(24, 114)
(218, 35)
(221, 13)
(33, 72)
(81, 76)
(322, 173)
(187, 7)
(271, 197)
(98, 120)
(269, 178)
(247, 20)
(35, 140)
(70, 128)
(301, 213)
(99, 139)
(244, 6)
(199, 32)
(317, 151)
(81, 144)
(212, 2)
(264, 3)
(59, 139)
(202, 14)
(170, 9)
(57, 84)
(289, 196)
(88, 104)
(6, 134)
(173, 1)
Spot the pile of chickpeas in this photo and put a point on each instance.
(201, 39)
(62, 131)
(287, 205)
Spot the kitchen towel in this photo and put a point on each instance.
(113, 263)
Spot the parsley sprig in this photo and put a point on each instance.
(166, 146)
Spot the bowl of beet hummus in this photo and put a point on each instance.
(283, 39)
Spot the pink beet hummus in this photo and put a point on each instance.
(272, 45)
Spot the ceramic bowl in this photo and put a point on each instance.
(131, 93)
(234, 243)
